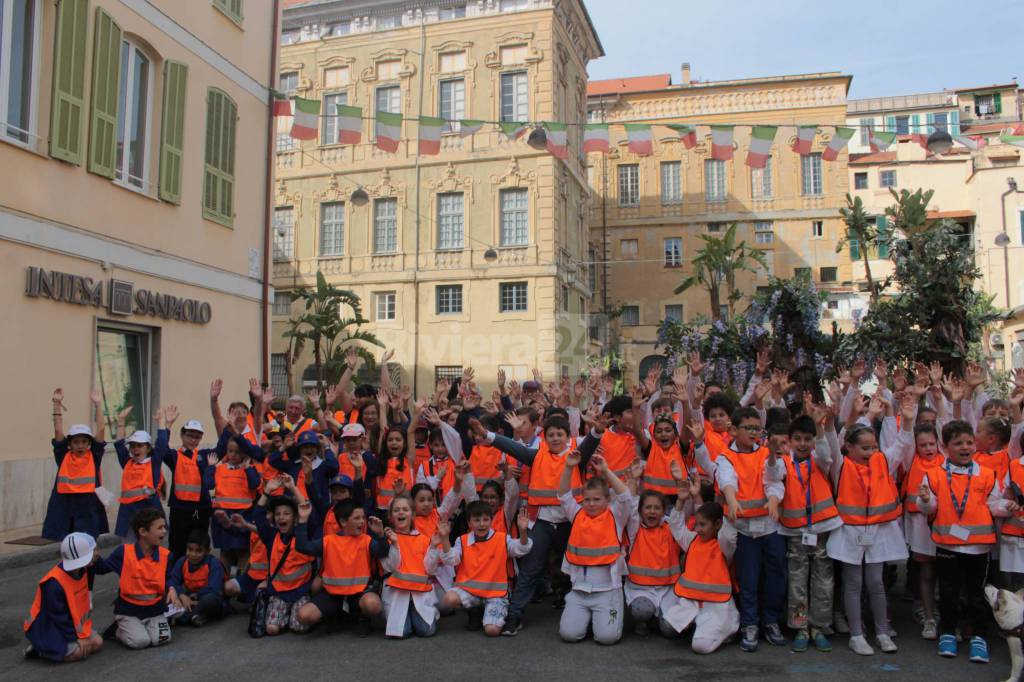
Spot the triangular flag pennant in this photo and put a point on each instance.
(1014, 135)
(761, 138)
(388, 130)
(639, 137)
(595, 138)
(804, 139)
(880, 140)
(687, 134)
(837, 143)
(513, 129)
(972, 142)
(281, 103)
(468, 127)
(307, 119)
(721, 142)
(350, 124)
(558, 139)
(430, 135)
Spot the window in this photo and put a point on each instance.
(332, 228)
(714, 180)
(513, 5)
(860, 180)
(674, 312)
(940, 121)
(629, 184)
(452, 62)
(512, 296)
(336, 77)
(833, 305)
(329, 134)
(449, 299)
(987, 104)
(817, 229)
(671, 182)
(288, 82)
(902, 125)
(290, 37)
(628, 248)
(389, 99)
(715, 228)
(764, 232)
(810, 174)
(133, 116)
(282, 303)
(231, 8)
(122, 374)
(285, 141)
(449, 221)
(279, 374)
(388, 70)
(342, 28)
(887, 178)
(219, 174)
(673, 252)
(19, 66)
(385, 225)
(515, 101)
(761, 181)
(452, 104)
(515, 217)
(565, 299)
(456, 12)
(867, 125)
(384, 305)
(630, 316)
(802, 273)
(388, 22)
(284, 233)
(828, 274)
(723, 311)
(449, 372)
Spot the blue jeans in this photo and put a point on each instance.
(414, 623)
(761, 571)
(545, 536)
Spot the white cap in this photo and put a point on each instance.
(140, 437)
(193, 425)
(76, 551)
(80, 430)
(352, 431)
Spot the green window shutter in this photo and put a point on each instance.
(854, 250)
(219, 170)
(883, 236)
(68, 105)
(232, 8)
(929, 123)
(890, 124)
(954, 123)
(172, 135)
(997, 102)
(106, 81)
(915, 124)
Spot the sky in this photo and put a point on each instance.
(890, 48)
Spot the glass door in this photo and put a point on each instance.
(122, 375)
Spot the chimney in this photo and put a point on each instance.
(686, 75)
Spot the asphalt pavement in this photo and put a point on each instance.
(222, 652)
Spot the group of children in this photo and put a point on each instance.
(676, 504)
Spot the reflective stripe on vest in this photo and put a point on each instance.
(654, 572)
(141, 574)
(188, 488)
(868, 511)
(802, 513)
(651, 480)
(346, 582)
(985, 529)
(592, 551)
(84, 480)
(705, 587)
(756, 503)
(480, 585)
(411, 577)
(301, 571)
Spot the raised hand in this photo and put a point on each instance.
(313, 396)
(899, 379)
(677, 471)
(268, 396)
(170, 415)
(432, 417)
(58, 398)
(254, 388)
(858, 370)
(680, 376)
(636, 469)
(538, 376)
(444, 528)
(122, 416)
(462, 469)
(467, 375)
(390, 536)
(375, 525)
(515, 390)
(764, 361)
(698, 392)
(215, 388)
(974, 375)
(330, 395)
(696, 429)
(95, 397)
(599, 463)
(386, 357)
(696, 364)
(573, 459)
(501, 379)
(304, 510)
(523, 522)
(935, 372)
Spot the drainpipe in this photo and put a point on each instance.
(268, 189)
(416, 268)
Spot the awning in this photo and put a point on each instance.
(950, 215)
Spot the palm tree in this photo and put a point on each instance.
(296, 342)
(862, 230)
(717, 263)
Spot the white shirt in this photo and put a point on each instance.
(996, 505)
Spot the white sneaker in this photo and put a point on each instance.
(930, 629)
(886, 644)
(860, 646)
(840, 623)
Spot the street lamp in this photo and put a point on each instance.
(939, 142)
(359, 197)
(538, 139)
(490, 255)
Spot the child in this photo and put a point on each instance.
(73, 505)
(704, 590)
(198, 579)
(144, 588)
(663, 448)
(481, 579)
(593, 558)
(398, 463)
(340, 488)
(439, 470)
(234, 481)
(348, 561)
(352, 439)
(141, 477)
(410, 604)
(963, 497)
(1011, 540)
(718, 409)
(244, 585)
(59, 625)
(189, 501)
(992, 439)
(308, 454)
(927, 462)
(618, 441)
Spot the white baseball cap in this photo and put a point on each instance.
(80, 430)
(352, 431)
(193, 425)
(140, 437)
(76, 551)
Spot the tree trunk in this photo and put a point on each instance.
(319, 365)
(730, 287)
(714, 294)
(867, 274)
(289, 372)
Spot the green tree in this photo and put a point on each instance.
(296, 342)
(862, 231)
(716, 265)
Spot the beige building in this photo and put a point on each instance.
(133, 168)
(649, 212)
(475, 256)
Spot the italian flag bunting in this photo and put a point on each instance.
(595, 138)
(388, 130)
(468, 127)
(837, 143)
(721, 142)
(513, 129)
(350, 124)
(804, 139)
(972, 142)
(687, 134)
(880, 140)
(1014, 135)
(307, 119)
(639, 138)
(281, 103)
(558, 139)
(430, 135)
(761, 138)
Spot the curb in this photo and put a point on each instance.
(49, 552)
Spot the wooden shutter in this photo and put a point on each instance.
(106, 80)
(854, 250)
(881, 223)
(68, 105)
(219, 173)
(172, 135)
(954, 122)
(997, 102)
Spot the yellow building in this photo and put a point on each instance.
(472, 257)
(649, 212)
(133, 168)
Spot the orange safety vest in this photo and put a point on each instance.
(297, 569)
(331, 523)
(998, 462)
(386, 483)
(345, 467)
(808, 495)
(705, 573)
(750, 493)
(716, 443)
(304, 424)
(654, 556)
(545, 476)
(137, 481)
(231, 488)
(195, 580)
(593, 540)
(426, 525)
(483, 462)
(347, 568)
(866, 494)
(259, 562)
(188, 482)
(658, 471)
(77, 474)
(422, 455)
(411, 573)
(143, 581)
(619, 450)
(448, 482)
(483, 571)
(975, 516)
(342, 417)
(524, 481)
(76, 594)
(912, 481)
(1014, 525)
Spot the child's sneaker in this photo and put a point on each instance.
(919, 614)
(979, 650)
(773, 633)
(842, 626)
(801, 641)
(930, 629)
(198, 621)
(860, 646)
(821, 642)
(30, 653)
(947, 646)
(511, 627)
(886, 644)
(749, 641)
